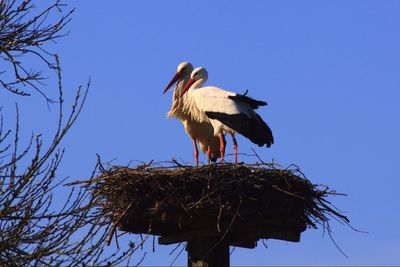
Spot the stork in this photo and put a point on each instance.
(199, 131)
(227, 112)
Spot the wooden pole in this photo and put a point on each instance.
(208, 253)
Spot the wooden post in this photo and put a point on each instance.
(207, 253)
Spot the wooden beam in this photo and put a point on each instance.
(245, 233)
(186, 236)
(243, 243)
(231, 239)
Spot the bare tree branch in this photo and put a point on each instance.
(25, 32)
(35, 230)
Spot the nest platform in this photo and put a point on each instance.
(234, 204)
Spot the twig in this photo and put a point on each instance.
(117, 222)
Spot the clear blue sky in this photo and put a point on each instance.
(330, 71)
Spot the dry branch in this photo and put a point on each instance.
(25, 34)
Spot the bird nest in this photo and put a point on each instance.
(245, 202)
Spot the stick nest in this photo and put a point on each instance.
(170, 198)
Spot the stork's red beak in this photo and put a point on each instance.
(177, 76)
(190, 82)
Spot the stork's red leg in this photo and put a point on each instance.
(235, 148)
(196, 152)
(222, 146)
(209, 154)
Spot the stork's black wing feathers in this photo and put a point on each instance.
(253, 128)
(254, 104)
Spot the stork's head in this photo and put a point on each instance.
(198, 74)
(183, 69)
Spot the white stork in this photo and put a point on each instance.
(199, 132)
(227, 111)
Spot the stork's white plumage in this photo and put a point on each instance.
(199, 131)
(227, 111)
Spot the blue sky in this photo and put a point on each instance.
(329, 71)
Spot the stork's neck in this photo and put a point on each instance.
(177, 107)
(190, 102)
(199, 83)
(178, 89)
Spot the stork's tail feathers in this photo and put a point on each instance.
(254, 104)
(214, 159)
(253, 128)
(215, 151)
